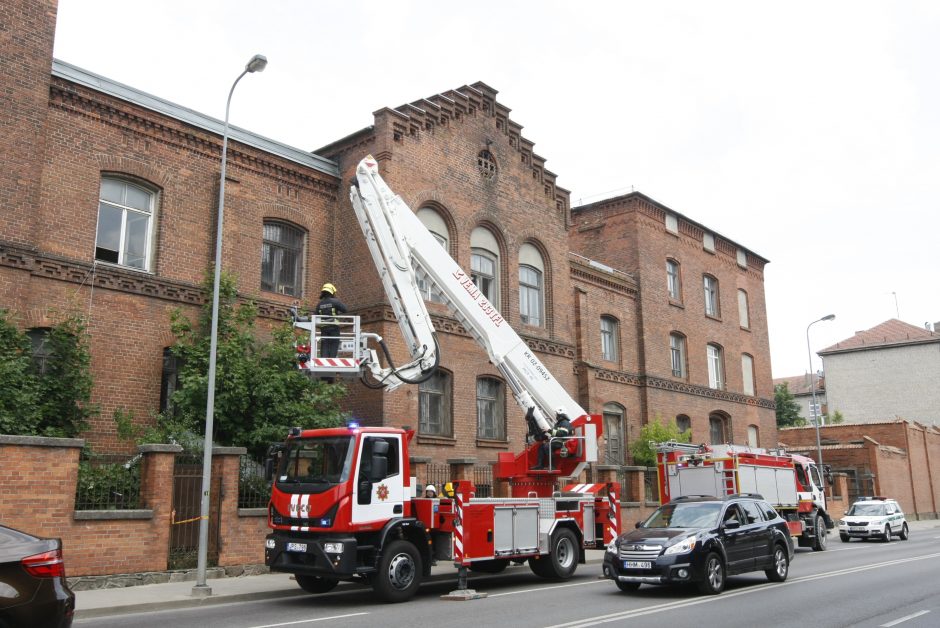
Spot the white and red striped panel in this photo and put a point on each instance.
(333, 363)
(585, 489)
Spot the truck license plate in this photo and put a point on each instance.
(637, 564)
(296, 547)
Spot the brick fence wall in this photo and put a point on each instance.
(38, 478)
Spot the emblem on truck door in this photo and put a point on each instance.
(382, 492)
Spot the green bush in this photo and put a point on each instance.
(108, 485)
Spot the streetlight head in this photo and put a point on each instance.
(829, 317)
(257, 63)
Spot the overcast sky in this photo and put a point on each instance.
(808, 132)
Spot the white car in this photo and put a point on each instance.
(873, 517)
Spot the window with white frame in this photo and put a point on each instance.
(531, 286)
(712, 306)
(610, 333)
(753, 434)
(677, 354)
(743, 314)
(282, 258)
(614, 414)
(673, 284)
(491, 409)
(484, 263)
(435, 416)
(716, 370)
(125, 223)
(434, 222)
(747, 373)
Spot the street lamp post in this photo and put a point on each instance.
(256, 64)
(816, 408)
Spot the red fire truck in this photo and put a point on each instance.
(344, 504)
(790, 482)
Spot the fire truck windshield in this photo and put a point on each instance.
(687, 515)
(324, 461)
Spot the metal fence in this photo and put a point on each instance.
(108, 482)
(253, 490)
(440, 474)
(186, 515)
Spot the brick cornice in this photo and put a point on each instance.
(103, 110)
(108, 277)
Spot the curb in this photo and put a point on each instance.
(250, 596)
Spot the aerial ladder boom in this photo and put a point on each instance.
(404, 250)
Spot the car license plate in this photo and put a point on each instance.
(637, 564)
(296, 547)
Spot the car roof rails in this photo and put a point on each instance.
(685, 498)
(748, 495)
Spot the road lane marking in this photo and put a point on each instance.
(648, 610)
(540, 589)
(903, 619)
(309, 621)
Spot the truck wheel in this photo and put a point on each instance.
(316, 584)
(820, 532)
(887, 533)
(714, 581)
(781, 568)
(399, 572)
(562, 558)
(904, 533)
(496, 565)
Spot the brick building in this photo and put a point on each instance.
(109, 206)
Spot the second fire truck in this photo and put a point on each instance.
(792, 483)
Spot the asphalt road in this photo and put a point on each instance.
(863, 584)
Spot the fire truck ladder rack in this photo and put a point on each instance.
(672, 445)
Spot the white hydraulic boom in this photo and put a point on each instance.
(403, 251)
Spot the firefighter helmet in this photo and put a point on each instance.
(430, 491)
(449, 489)
(328, 287)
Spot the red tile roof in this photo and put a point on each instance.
(892, 332)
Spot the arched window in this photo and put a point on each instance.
(677, 354)
(684, 423)
(125, 223)
(747, 373)
(614, 415)
(610, 339)
(491, 409)
(435, 414)
(712, 304)
(673, 280)
(486, 164)
(431, 219)
(719, 428)
(282, 258)
(42, 350)
(716, 367)
(531, 286)
(484, 263)
(753, 434)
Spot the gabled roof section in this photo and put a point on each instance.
(891, 333)
(104, 85)
(451, 107)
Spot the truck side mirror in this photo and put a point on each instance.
(379, 468)
(268, 469)
(827, 472)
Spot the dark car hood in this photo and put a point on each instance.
(654, 536)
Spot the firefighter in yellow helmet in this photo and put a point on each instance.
(328, 306)
(449, 490)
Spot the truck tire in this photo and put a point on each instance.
(781, 568)
(399, 572)
(819, 532)
(714, 581)
(562, 558)
(316, 584)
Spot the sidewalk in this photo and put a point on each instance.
(150, 597)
